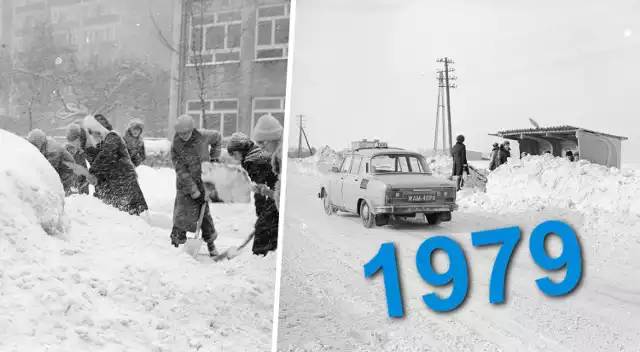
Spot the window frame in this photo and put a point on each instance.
(212, 110)
(213, 52)
(254, 110)
(272, 19)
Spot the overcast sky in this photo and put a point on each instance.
(366, 68)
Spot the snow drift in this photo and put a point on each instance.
(31, 194)
(112, 282)
(546, 182)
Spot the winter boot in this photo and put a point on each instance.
(213, 251)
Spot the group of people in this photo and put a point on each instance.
(260, 156)
(500, 153)
(103, 158)
(95, 154)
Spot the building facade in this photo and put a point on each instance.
(240, 49)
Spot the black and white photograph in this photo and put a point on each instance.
(140, 153)
(421, 133)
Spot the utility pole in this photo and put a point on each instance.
(176, 52)
(440, 116)
(447, 85)
(300, 127)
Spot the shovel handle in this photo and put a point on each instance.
(199, 224)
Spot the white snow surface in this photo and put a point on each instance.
(113, 282)
(31, 195)
(159, 146)
(323, 258)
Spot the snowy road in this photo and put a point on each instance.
(327, 304)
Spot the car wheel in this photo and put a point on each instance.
(433, 219)
(367, 217)
(329, 209)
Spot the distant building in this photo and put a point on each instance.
(243, 46)
(364, 143)
(597, 147)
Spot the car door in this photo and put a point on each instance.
(336, 184)
(351, 185)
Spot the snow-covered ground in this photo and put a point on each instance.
(326, 304)
(103, 280)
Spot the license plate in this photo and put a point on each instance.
(422, 198)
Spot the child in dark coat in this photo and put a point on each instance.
(75, 147)
(134, 142)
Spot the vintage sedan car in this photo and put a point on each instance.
(383, 183)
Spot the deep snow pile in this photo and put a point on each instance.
(318, 164)
(31, 195)
(112, 282)
(157, 146)
(544, 182)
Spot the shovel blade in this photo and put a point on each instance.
(192, 246)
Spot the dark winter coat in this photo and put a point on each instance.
(459, 155)
(187, 157)
(259, 167)
(135, 145)
(117, 179)
(504, 155)
(494, 158)
(81, 159)
(57, 155)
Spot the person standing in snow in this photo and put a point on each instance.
(257, 163)
(268, 134)
(135, 143)
(459, 155)
(114, 176)
(494, 157)
(190, 148)
(569, 155)
(75, 147)
(505, 152)
(57, 155)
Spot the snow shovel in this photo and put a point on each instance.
(233, 251)
(193, 245)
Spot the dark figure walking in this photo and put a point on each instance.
(258, 166)
(135, 143)
(494, 157)
(76, 140)
(459, 155)
(190, 148)
(116, 181)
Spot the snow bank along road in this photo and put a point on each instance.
(327, 304)
(107, 281)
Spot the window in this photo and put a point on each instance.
(215, 38)
(273, 106)
(398, 163)
(357, 161)
(272, 32)
(220, 115)
(346, 164)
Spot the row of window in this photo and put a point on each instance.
(62, 15)
(99, 35)
(216, 37)
(222, 114)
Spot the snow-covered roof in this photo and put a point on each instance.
(565, 129)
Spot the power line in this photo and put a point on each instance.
(444, 83)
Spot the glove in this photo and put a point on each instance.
(199, 198)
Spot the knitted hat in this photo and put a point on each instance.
(268, 128)
(104, 122)
(136, 123)
(184, 124)
(239, 142)
(37, 137)
(74, 132)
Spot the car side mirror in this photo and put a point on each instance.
(335, 169)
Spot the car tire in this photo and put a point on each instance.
(366, 216)
(329, 209)
(433, 219)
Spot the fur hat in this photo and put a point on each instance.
(136, 123)
(495, 145)
(104, 122)
(184, 124)
(268, 128)
(74, 132)
(92, 125)
(239, 142)
(37, 137)
(460, 139)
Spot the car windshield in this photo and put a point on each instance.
(399, 163)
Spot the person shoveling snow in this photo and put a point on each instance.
(190, 148)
